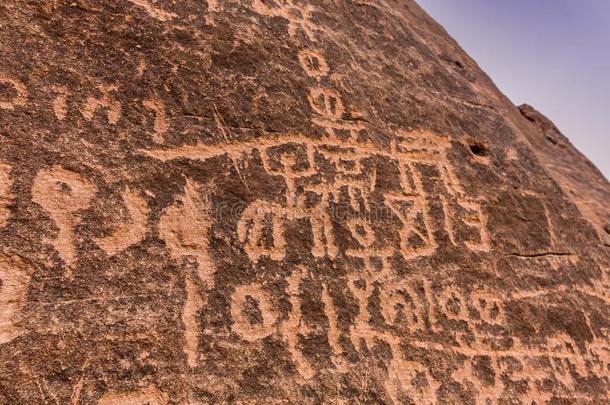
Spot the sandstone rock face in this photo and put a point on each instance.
(576, 175)
(280, 201)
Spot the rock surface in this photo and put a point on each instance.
(280, 201)
(576, 175)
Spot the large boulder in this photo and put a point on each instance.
(281, 201)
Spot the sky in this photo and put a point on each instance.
(551, 54)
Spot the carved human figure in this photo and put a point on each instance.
(62, 193)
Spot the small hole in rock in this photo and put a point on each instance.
(478, 149)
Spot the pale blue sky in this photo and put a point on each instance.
(552, 54)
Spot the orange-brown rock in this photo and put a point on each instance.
(285, 201)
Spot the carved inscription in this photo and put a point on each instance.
(253, 314)
(255, 317)
(429, 210)
(318, 174)
(353, 177)
(14, 278)
(184, 227)
(300, 160)
(397, 315)
(62, 193)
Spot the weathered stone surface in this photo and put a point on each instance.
(279, 201)
(577, 176)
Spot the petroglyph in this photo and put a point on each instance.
(250, 231)
(489, 305)
(191, 308)
(19, 99)
(154, 12)
(411, 378)
(476, 218)
(62, 193)
(294, 326)
(298, 159)
(341, 166)
(299, 16)
(145, 396)
(161, 124)
(326, 102)
(185, 228)
(14, 278)
(452, 304)
(313, 63)
(130, 233)
(410, 210)
(355, 221)
(92, 104)
(333, 331)
(252, 311)
(5, 193)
